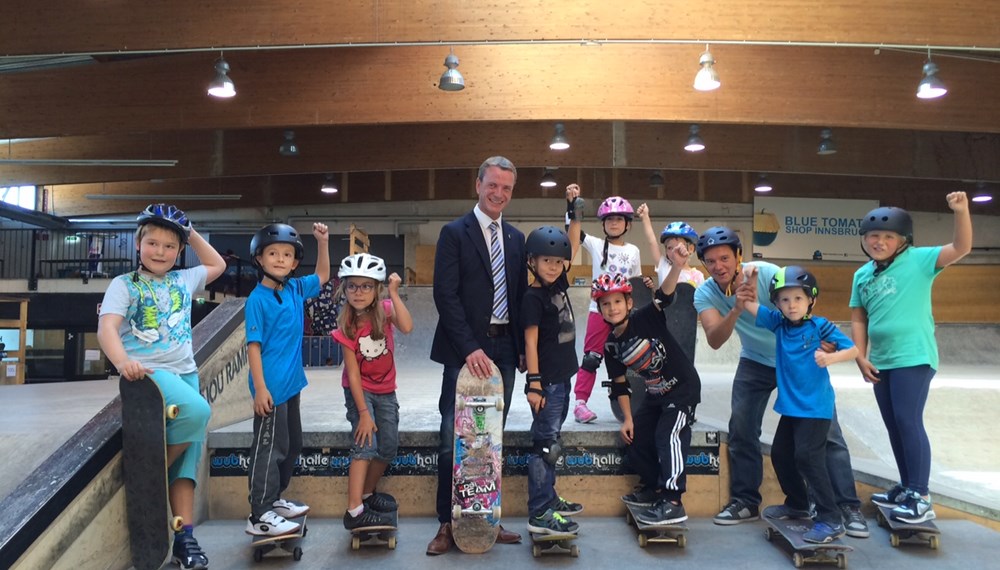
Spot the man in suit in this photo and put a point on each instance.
(479, 281)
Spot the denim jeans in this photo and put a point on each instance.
(384, 410)
(752, 387)
(545, 429)
(506, 361)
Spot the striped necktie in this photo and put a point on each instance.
(499, 275)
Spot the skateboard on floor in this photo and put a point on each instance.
(290, 543)
(144, 468)
(670, 533)
(899, 531)
(475, 513)
(803, 552)
(553, 544)
(376, 535)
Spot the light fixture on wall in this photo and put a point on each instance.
(707, 78)
(548, 179)
(559, 141)
(826, 143)
(328, 187)
(694, 142)
(763, 184)
(930, 86)
(656, 179)
(289, 147)
(451, 79)
(222, 86)
(982, 193)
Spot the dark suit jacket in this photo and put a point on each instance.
(463, 289)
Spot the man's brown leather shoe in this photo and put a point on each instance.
(508, 537)
(443, 542)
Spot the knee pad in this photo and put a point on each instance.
(550, 451)
(592, 361)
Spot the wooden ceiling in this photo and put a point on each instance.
(358, 85)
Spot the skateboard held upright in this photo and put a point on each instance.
(926, 532)
(475, 516)
(144, 466)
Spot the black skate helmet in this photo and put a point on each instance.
(718, 235)
(275, 233)
(549, 241)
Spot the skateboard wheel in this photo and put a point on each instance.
(934, 542)
(496, 512)
(172, 411)
(841, 561)
(297, 554)
(643, 541)
(456, 512)
(499, 404)
(536, 550)
(574, 551)
(391, 543)
(682, 541)
(258, 555)
(798, 560)
(768, 534)
(628, 517)
(355, 542)
(177, 523)
(894, 540)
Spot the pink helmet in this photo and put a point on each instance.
(615, 206)
(607, 283)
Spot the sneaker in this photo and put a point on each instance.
(551, 522)
(187, 553)
(641, 497)
(368, 517)
(854, 521)
(289, 509)
(271, 524)
(662, 512)
(822, 533)
(784, 513)
(914, 509)
(891, 497)
(381, 502)
(583, 414)
(736, 512)
(564, 507)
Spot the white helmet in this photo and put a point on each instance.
(362, 265)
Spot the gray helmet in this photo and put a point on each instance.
(550, 241)
(718, 235)
(890, 219)
(793, 276)
(275, 233)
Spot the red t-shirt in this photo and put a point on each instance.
(378, 368)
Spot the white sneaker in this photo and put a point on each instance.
(289, 509)
(271, 524)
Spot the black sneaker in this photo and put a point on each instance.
(564, 507)
(784, 513)
(551, 522)
(854, 521)
(914, 509)
(368, 517)
(736, 512)
(641, 497)
(381, 502)
(187, 553)
(663, 512)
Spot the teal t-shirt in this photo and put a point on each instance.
(898, 303)
(758, 344)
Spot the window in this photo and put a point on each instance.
(23, 196)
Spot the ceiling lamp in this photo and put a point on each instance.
(289, 148)
(694, 142)
(656, 179)
(982, 193)
(559, 141)
(328, 187)
(451, 79)
(826, 143)
(222, 86)
(548, 179)
(706, 79)
(762, 185)
(930, 86)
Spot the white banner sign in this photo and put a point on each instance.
(809, 228)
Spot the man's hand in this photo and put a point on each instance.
(479, 364)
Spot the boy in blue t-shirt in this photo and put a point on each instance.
(145, 330)
(805, 397)
(275, 314)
